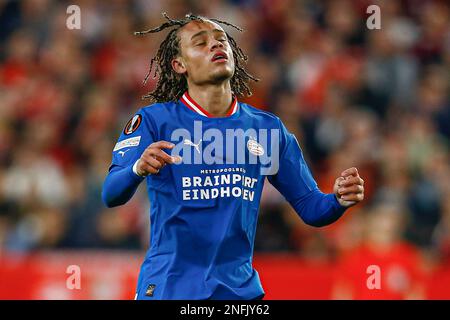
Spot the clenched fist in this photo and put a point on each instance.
(153, 158)
(349, 188)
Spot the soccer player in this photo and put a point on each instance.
(205, 157)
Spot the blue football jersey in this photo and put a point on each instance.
(204, 210)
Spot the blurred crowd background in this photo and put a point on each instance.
(375, 99)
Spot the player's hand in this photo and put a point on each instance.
(154, 159)
(349, 188)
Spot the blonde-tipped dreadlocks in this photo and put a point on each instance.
(170, 85)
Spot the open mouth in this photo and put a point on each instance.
(219, 57)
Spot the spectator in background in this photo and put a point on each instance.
(399, 264)
(440, 260)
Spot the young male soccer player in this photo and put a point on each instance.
(205, 157)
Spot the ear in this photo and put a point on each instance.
(178, 65)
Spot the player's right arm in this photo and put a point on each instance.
(154, 159)
(135, 156)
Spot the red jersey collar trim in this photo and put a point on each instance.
(194, 106)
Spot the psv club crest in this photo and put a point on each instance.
(254, 147)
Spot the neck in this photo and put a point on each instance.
(216, 99)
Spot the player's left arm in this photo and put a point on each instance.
(296, 183)
(349, 187)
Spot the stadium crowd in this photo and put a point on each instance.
(375, 99)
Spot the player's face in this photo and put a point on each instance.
(206, 55)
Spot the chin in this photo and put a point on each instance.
(222, 75)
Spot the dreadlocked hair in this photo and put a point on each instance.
(171, 85)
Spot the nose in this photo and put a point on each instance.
(216, 44)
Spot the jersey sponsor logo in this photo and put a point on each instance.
(254, 147)
(228, 182)
(133, 124)
(130, 142)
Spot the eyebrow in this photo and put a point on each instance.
(204, 32)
